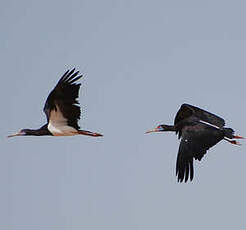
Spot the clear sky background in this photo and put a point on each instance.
(141, 60)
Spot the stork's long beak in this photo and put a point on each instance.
(153, 130)
(16, 134)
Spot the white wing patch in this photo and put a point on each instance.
(204, 122)
(58, 124)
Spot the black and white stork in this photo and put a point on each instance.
(199, 130)
(62, 110)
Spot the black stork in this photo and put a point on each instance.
(62, 110)
(199, 130)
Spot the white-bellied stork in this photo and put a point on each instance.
(62, 110)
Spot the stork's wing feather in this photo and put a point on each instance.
(187, 110)
(195, 142)
(63, 98)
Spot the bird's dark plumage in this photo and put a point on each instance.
(199, 130)
(64, 96)
(196, 137)
(195, 141)
(62, 110)
(187, 111)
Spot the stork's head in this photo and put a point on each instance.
(22, 132)
(162, 128)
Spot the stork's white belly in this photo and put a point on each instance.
(62, 130)
(58, 124)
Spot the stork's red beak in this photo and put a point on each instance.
(17, 134)
(159, 128)
(153, 130)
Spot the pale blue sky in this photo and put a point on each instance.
(141, 61)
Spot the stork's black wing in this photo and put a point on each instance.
(195, 141)
(64, 98)
(187, 110)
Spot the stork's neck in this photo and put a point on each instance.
(171, 128)
(37, 132)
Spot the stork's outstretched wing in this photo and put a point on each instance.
(187, 110)
(61, 106)
(195, 142)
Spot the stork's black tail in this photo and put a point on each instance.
(229, 133)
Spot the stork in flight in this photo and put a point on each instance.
(62, 110)
(199, 130)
